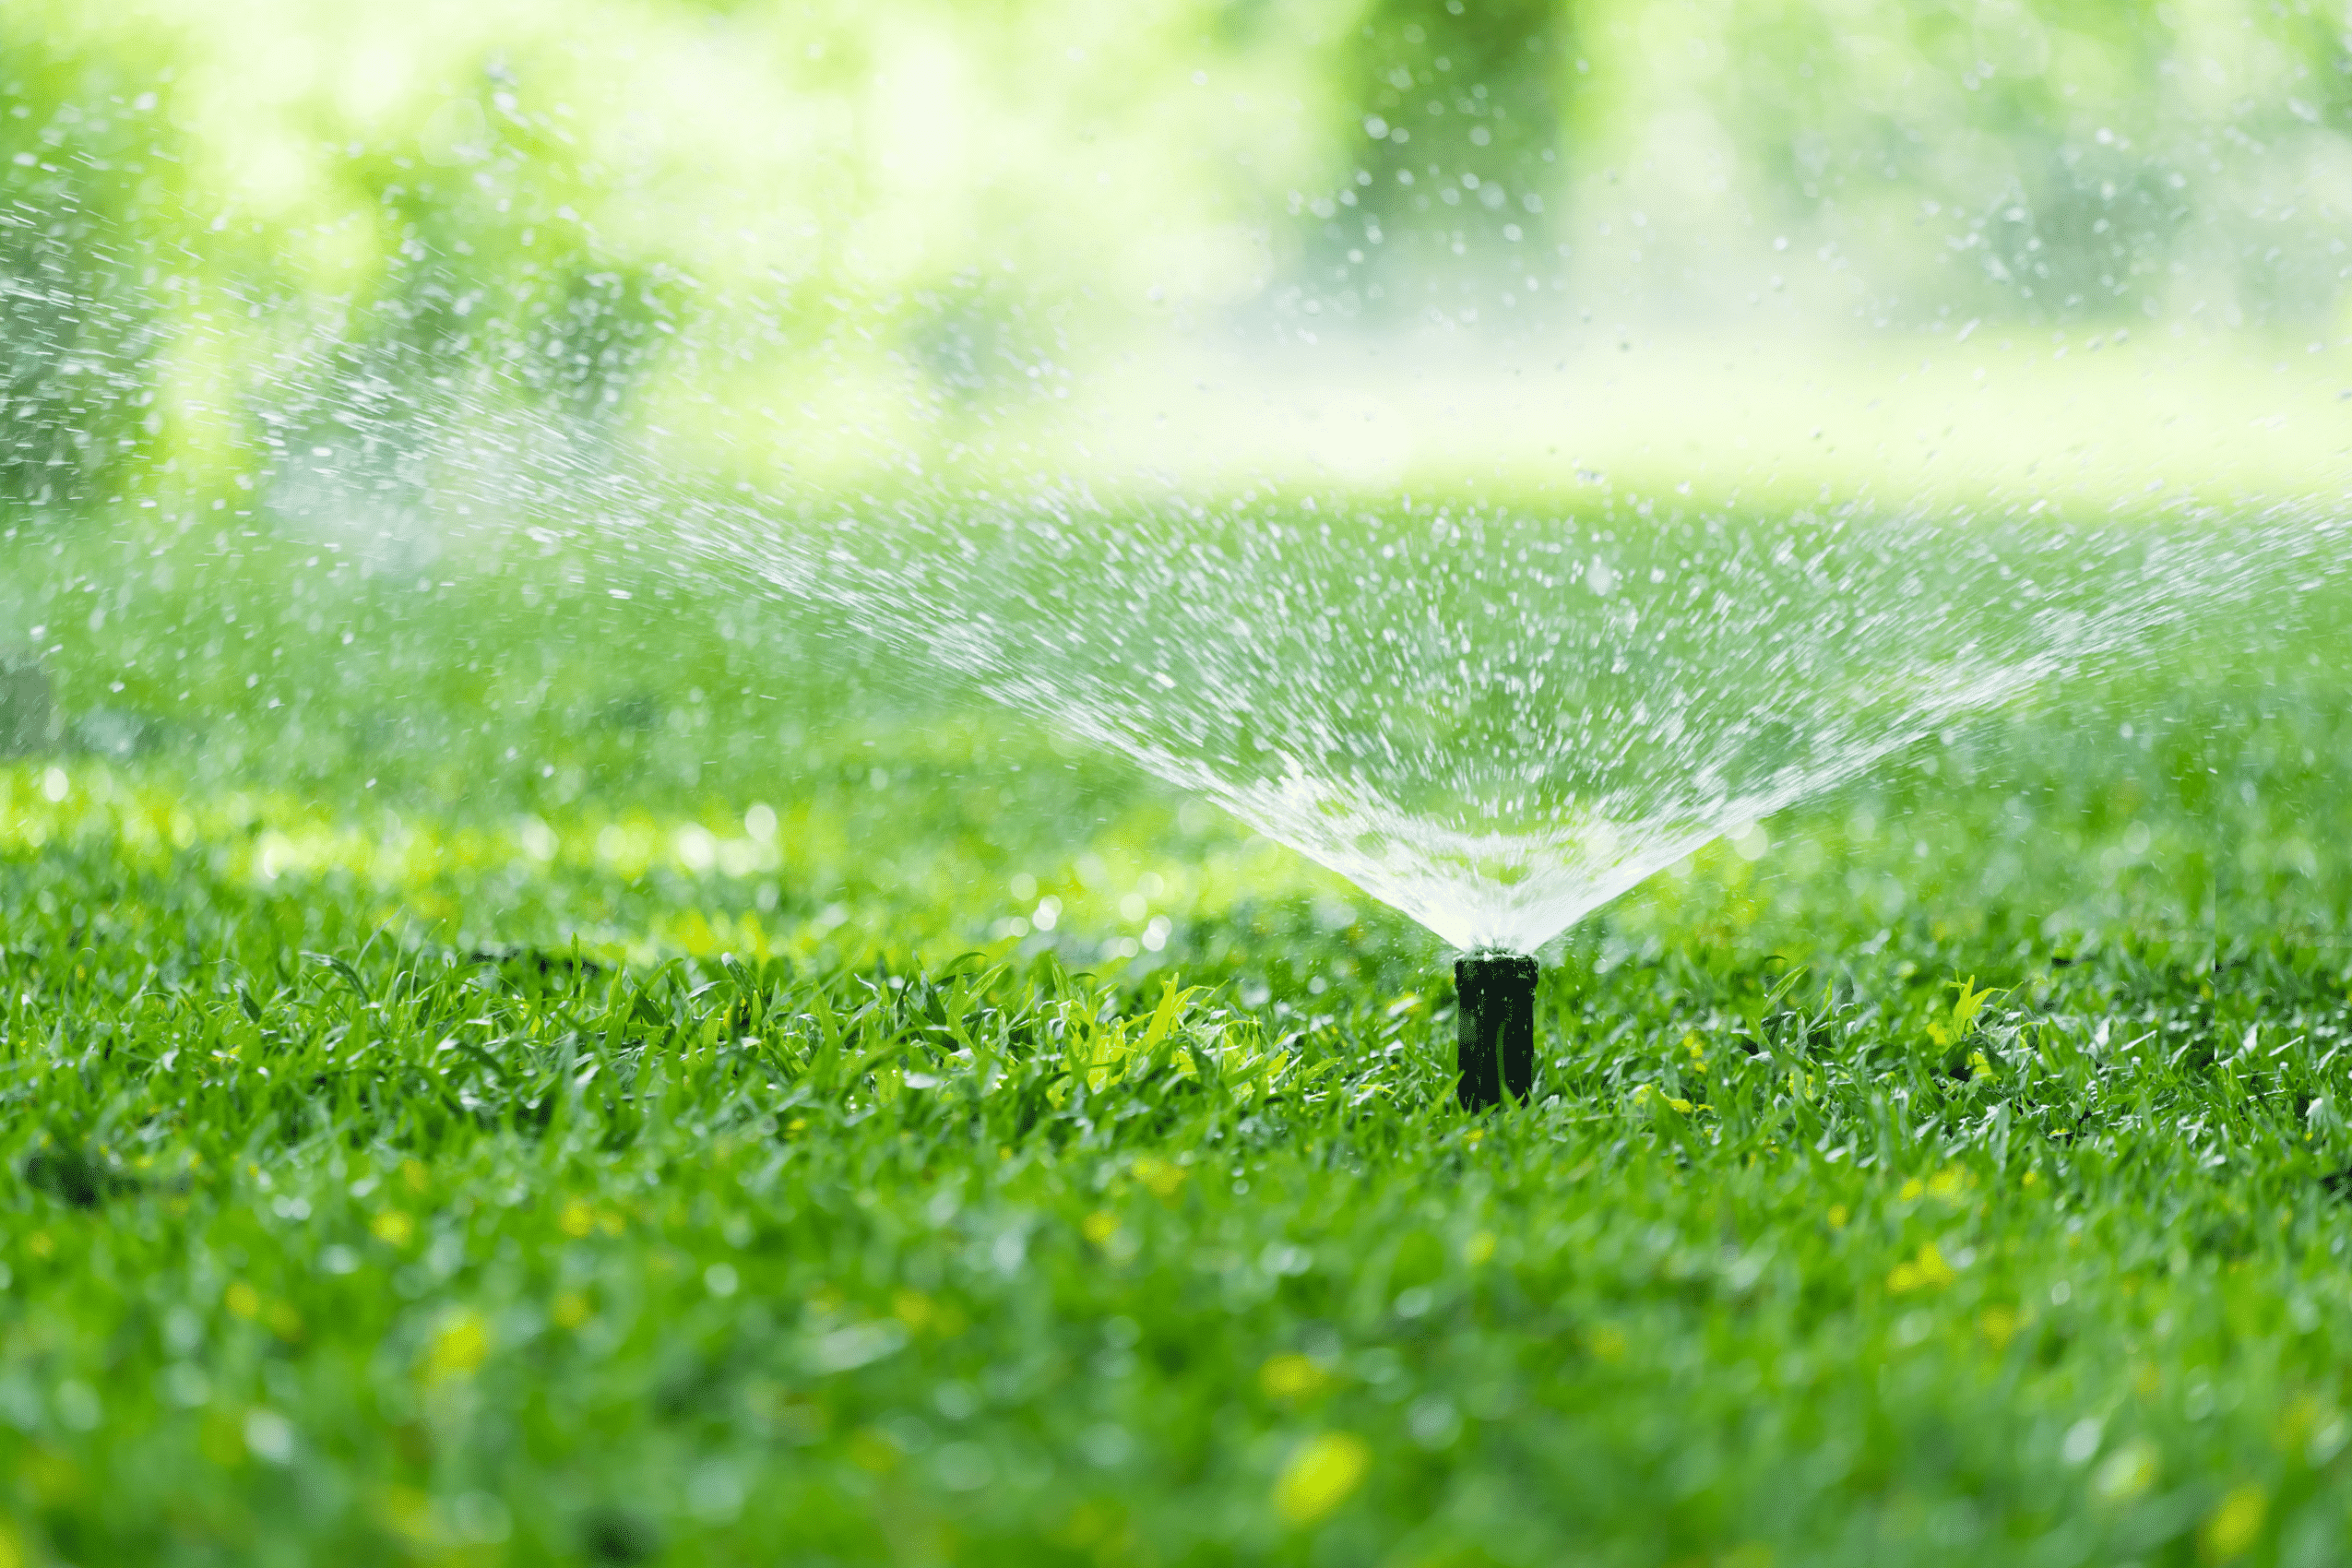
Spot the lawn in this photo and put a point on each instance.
(549, 1077)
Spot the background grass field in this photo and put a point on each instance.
(566, 1079)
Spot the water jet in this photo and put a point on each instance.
(1495, 996)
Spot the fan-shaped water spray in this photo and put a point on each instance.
(1494, 717)
(1493, 713)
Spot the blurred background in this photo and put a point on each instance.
(294, 296)
(2009, 248)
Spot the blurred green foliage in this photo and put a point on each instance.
(821, 229)
(88, 205)
(1463, 122)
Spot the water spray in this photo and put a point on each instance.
(1496, 1002)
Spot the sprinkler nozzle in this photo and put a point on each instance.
(1496, 994)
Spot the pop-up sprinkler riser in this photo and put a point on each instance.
(1496, 1006)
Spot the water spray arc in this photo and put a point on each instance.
(1493, 755)
(1495, 996)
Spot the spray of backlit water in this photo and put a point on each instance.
(1494, 703)
(1493, 715)
(1498, 718)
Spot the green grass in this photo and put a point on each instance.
(439, 1129)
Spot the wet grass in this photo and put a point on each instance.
(678, 1141)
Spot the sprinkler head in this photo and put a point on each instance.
(1496, 1008)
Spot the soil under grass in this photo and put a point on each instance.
(630, 1097)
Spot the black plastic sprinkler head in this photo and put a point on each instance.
(1496, 1002)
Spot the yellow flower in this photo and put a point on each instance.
(458, 1348)
(1290, 1379)
(1320, 1477)
(2233, 1528)
(577, 1220)
(244, 1300)
(1165, 1177)
(1837, 1217)
(393, 1228)
(1926, 1272)
(1100, 1226)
